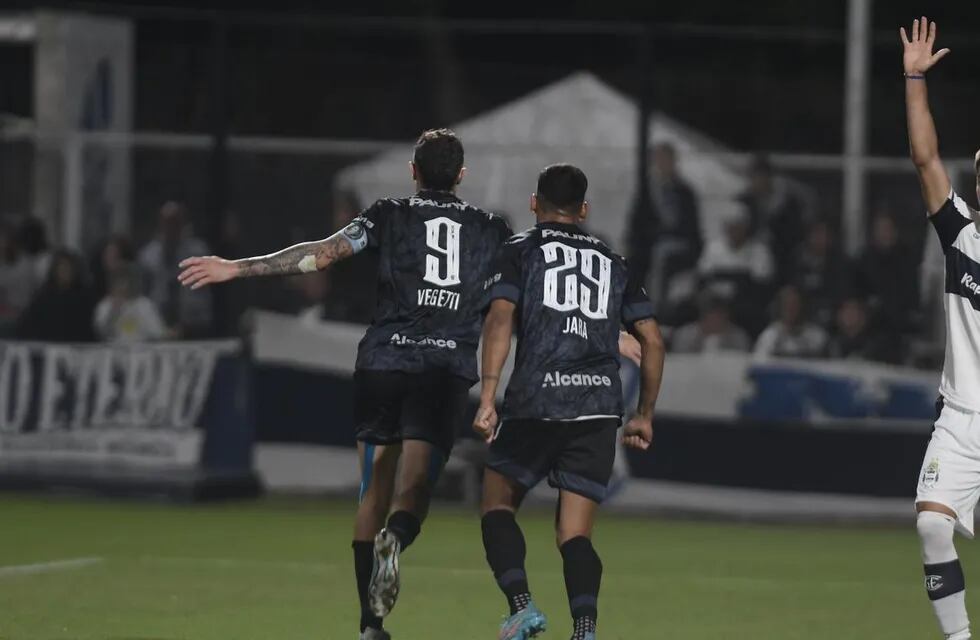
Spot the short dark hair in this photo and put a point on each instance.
(562, 186)
(438, 159)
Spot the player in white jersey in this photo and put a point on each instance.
(949, 483)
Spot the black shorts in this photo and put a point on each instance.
(575, 456)
(391, 406)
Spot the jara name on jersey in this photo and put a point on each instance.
(576, 326)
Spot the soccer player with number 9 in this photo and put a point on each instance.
(417, 360)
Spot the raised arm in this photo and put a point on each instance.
(299, 258)
(639, 430)
(917, 59)
(498, 327)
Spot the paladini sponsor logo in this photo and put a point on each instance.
(404, 341)
(558, 379)
(415, 201)
(547, 233)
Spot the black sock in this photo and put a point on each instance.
(405, 526)
(363, 565)
(583, 574)
(504, 544)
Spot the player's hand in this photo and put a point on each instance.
(638, 433)
(485, 423)
(198, 272)
(918, 57)
(630, 347)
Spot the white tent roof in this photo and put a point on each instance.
(580, 120)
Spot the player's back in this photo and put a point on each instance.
(435, 252)
(572, 290)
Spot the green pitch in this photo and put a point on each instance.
(280, 570)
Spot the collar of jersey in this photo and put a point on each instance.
(435, 194)
(564, 226)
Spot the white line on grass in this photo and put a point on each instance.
(47, 567)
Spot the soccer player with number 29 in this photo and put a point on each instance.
(567, 295)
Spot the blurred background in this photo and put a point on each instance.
(750, 159)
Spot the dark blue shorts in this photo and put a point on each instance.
(391, 406)
(574, 456)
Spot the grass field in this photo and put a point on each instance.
(280, 570)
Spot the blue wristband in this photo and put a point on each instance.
(914, 76)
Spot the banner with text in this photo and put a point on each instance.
(142, 405)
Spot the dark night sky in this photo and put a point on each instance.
(781, 93)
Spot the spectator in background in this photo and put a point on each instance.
(16, 281)
(738, 266)
(61, 310)
(855, 339)
(791, 335)
(186, 313)
(820, 272)
(231, 301)
(314, 288)
(665, 240)
(776, 211)
(887, 274)
(125, 314)
(33, 239)
(116, 253)
(712, 332)
(350, 286)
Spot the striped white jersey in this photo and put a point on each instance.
(959, 234)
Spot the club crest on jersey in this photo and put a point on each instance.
(930, 475)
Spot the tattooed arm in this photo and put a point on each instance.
(299, 258)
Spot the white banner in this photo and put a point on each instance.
(137, 404)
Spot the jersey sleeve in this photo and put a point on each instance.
(636, 302)
(364, 231)
(506, 280)
(950, 220)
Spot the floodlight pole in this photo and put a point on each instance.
(856, 82)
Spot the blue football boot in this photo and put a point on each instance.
(526, 623)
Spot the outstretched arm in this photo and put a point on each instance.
(639, 430)
(299, 258)
(497, 330)
(917, 59)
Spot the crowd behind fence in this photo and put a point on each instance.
(767, 275)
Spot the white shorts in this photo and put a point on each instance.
(950, 472)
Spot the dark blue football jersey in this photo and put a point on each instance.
(435, 252)
(572, 294)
